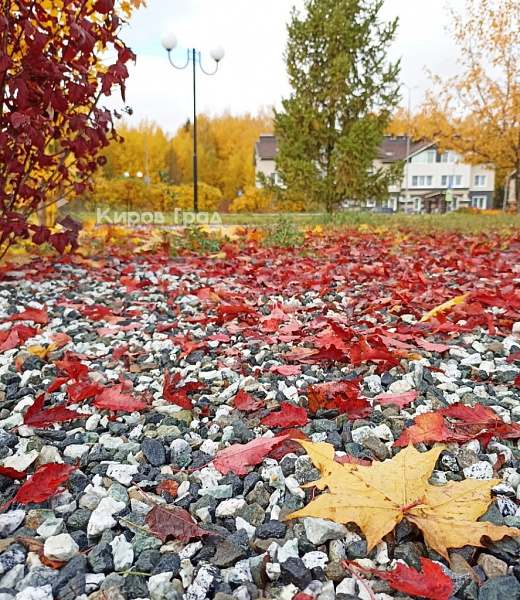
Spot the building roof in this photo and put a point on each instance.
(391, 150)
(266, 148)
(394, 149)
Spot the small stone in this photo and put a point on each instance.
(500, 588)
(492, 567)
(123, 553)
(122, 473)
(401, 386)
(294, 571)
(15, 555)
(33, 593)
(50, 527)
(377, 447)
(100, 559)
(270, 529)
(318, 531)
(102, 518)
(153, 451)
(228, 554)
(335, 572)
(169, 562)
(10, 521)
(228, 508)
(480, 471)
(21, 462)
(161, 588)
(60, 547)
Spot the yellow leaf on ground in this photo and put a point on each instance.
(41, 351)
(379, 497)
(443, 307)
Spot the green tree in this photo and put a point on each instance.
(344, 90)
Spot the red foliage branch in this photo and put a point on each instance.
(52, 75)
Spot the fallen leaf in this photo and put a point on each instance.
(431, 583)
(169, 486)
(429, 427)
(42, 352)
(238, 457)
(378, 497)
(175, 523)
(12, 473)
(288, 416)
(112, 399)
(37, 417)
(286, 370)
(443, 307)
(36, 315)
(247, 403)
(43, 484)
(400, 399)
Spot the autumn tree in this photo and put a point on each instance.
(344, 90)
(477, 112)
(53, 74)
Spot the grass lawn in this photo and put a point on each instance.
(462, 222)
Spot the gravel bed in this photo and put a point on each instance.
(247, 323)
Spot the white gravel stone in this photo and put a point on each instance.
(516, 327)
(201, 584)
(122, 473)
(102, 518)
(60, 547)
(161, 588)
(49, 454)
(76, 450)
(400, 386)
(50, 527)
(247, 527)
(315, 559)
(481, 470)
(10, 521)
(21, 462)
(123, 553)
(32, 593)
(318, 531)
(472, 359)
(228, 508)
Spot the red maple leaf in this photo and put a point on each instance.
(238, 457)
(43, 484)
(113, 399)
(37, 417)
(400, 399)
(428, 427)
(36, 315)
(173, 393)
(174, 523)
(247, 403)
(431, 583)
(288, 416)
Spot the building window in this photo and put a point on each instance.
(449, 157)
(417, 204)
(424, 158)
(479, 202)
(422, 180)
(480, 180)
(451, 180)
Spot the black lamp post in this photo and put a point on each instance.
(169, 41)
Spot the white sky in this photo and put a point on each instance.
(252, 74)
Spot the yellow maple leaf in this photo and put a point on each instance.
(443, 307)
(379, 497)
(41, 351)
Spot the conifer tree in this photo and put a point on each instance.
(344, 90)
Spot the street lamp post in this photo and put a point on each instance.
(169, 41)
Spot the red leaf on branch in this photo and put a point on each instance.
(113, 399)
(174, 523)
(247, 403)
(288, 416)
(37, 417)
(431, 583)
(237, 457)
(43, 484)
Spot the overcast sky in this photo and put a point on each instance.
(252, 74)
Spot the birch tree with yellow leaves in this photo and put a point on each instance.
(477, 113)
